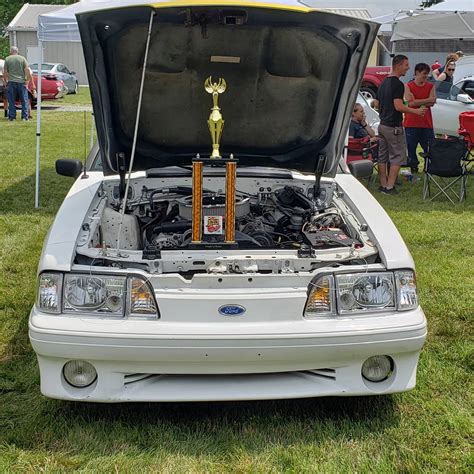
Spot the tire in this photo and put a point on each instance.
(76, 88)
(369, 93)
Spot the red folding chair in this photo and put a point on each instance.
(466, 130)
(361, 149)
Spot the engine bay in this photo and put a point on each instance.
(273, 218)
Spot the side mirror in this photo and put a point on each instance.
(69, 167)
(361, 168)
(464, 98)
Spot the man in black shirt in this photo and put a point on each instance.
(392, 144)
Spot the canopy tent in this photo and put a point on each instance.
(448, 20)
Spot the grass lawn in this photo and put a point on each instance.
(427, 429)
(83, 97)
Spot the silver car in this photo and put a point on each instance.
(61, 72)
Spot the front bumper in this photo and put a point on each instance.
(186, 362)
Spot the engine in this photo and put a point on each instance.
(283, 218)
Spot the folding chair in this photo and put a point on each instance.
(362, 149)
(446, 160)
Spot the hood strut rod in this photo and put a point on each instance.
(320, 166)
(135, 133)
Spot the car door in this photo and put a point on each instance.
(71, 80)
(447, 108)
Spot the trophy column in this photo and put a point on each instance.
(197, 202)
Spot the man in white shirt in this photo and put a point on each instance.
(3, 91)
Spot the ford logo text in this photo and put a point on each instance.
(231, 310)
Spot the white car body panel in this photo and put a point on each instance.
(311, 291)
(192, 353)
(446, 111)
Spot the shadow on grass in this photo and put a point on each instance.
(19, 198)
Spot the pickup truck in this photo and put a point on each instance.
(372, 79)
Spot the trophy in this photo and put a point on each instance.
(215, 122)
(213, 223)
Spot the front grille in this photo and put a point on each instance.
(325, 373)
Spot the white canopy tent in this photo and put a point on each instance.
(452, 19)
(61, 25)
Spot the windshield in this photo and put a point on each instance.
(45, 67)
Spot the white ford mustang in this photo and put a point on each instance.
(178, 282)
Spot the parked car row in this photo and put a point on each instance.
(51, 88)
(59, 72)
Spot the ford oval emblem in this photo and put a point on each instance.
(231, 310)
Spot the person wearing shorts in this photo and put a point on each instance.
(392, 142)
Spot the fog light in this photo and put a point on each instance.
(79, 373)
(377, 368)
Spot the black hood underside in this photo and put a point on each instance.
(291, 79)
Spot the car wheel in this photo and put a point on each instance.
(76, 88)
(368, 93)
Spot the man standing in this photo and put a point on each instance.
(419, 130)
(16, 75)
(392, 143)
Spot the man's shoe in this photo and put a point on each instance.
(381, 189)
(25, 120)
(390, 191)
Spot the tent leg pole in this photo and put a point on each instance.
(394, 47)
(92, 130)
(38, 123)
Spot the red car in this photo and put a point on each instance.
(373, 77)
(51, 88)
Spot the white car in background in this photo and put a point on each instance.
(451, 101)
(315, 296)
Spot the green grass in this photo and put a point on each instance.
(83, 97)
(427, 429)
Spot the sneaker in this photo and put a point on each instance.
(25, 120)
(390, 191)
(381, 189)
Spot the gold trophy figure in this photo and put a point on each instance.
(215, 122)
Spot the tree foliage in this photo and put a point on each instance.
(8, 10)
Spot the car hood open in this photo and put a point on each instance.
(292, 77)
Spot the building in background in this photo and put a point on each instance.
(22, 32)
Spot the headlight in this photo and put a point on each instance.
(329, 295)
(49, 292)
(365, 292)
(94, 293)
